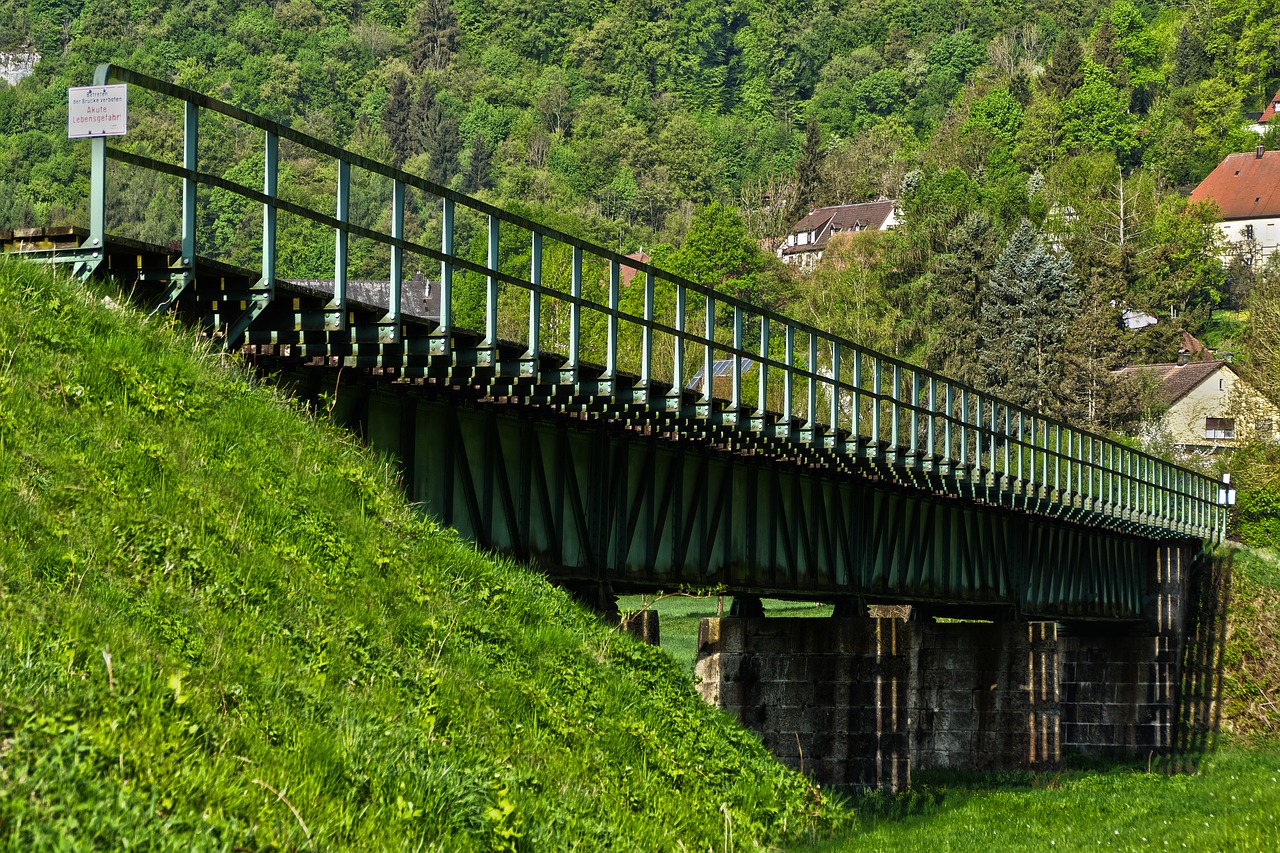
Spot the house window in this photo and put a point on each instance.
(1248, 232)
(1219, 428)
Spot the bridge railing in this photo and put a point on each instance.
(675, 344)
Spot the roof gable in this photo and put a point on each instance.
(1245, 186)
(1270, 112)
(1176, 380)
(826, 222)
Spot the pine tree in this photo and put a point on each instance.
(808, 172)
(437, 38)
(476, 176)
(959, 282)
(1028, 307)
(436, 134)
(396, 120)
(1189, 60)
(1064, 73)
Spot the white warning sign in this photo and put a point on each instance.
(97, 111)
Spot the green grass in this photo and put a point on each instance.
(1230, 804)
(1251, 659)
(221, 628)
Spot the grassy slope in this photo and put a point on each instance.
(206, 595)
(1251, 662)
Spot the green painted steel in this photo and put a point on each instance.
(827, 416)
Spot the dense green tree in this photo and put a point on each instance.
(436, 41)
(1027, 310)
(808, 172)
(1064, 72)
(717, 251)
(960, 282)
(397, 120)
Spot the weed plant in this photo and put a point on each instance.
(221, 628)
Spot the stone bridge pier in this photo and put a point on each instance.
(863, 702)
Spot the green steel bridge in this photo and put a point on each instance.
(620, 427)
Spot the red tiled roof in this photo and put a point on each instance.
(1192, 344)
(627, 273)
(1176, 380)
(1245, 186)
(828, 221)
(1270, 112)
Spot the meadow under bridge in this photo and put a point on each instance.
(627, 430)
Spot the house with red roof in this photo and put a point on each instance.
(1261, 122)
(808, 238)
(1246, 188)
(1210, 406)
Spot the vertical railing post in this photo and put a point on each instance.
(342, 213)
(397, 255)
(575, 308)
(491, 284)
(98, 181)
(190, 162)
(877, 378)
(914, 418)
(931, 429)
(762, 403)
(677, 344)
(836, 367)
(646, 333)
(446, 269)
(735, 385)
(1057, 460)
(788, 379)
(811, 403)
(535, 296)
(270, 173)
(611, 322)
(1071, 455)
(97, 192)
(895, 412)
(856, 425)
(708, 349)
(949, 404)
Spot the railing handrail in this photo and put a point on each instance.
(1139, 466)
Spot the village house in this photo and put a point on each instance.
(1246, 188)
(1259, 123)
(808, 238)
(1210, 406)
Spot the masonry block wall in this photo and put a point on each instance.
(1120, 691)
(860, 702)
(984, 696)
(827, 696)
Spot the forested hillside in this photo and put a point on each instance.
(701, 131)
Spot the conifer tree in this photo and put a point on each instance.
(1064, 73)
(1028, 307)
(396, 118)
(437, 37)
(808, 172)
(960, 283)
(436, 134)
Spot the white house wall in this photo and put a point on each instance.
(1220, 395)
(1266, 233)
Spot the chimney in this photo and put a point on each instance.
(1183, 357)
(1259, 150)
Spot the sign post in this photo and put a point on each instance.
(97, 111)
